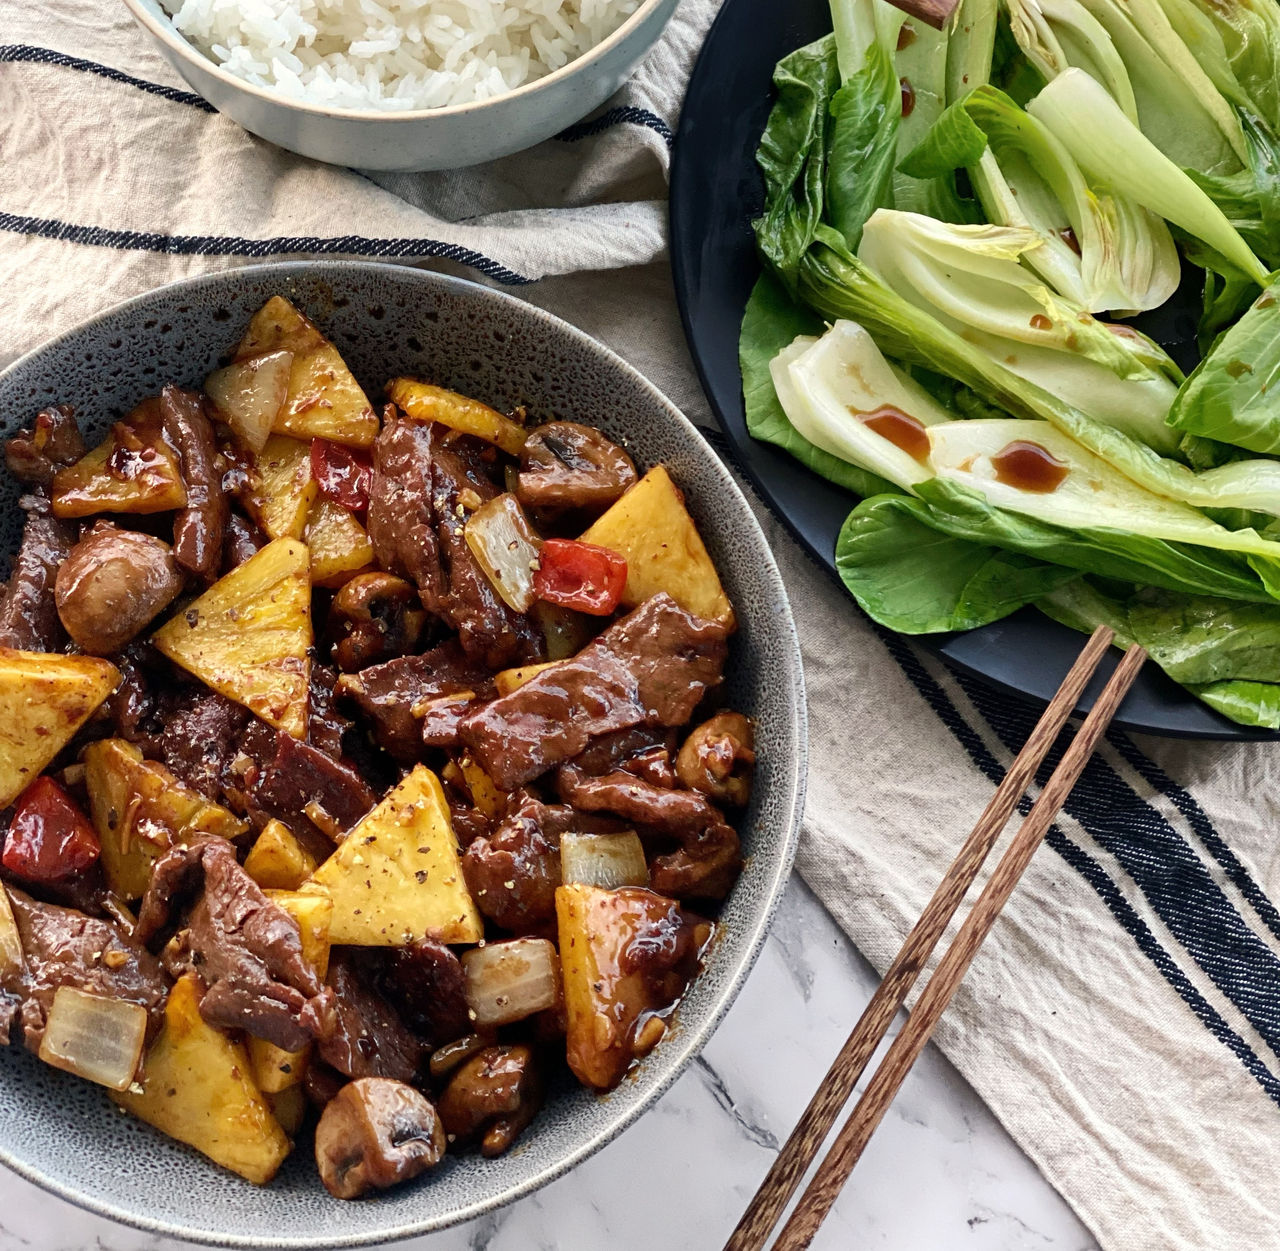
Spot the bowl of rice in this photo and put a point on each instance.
(404, 84)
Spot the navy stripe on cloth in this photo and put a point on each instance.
(1165, 868)
(1075, 856)
(620, 115)
(21, 52)
(280, 245)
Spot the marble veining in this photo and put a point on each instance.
(941, 1175)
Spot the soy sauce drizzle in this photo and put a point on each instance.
(908, 97)
(1029, 467)
(1068, 236)
(906, 35)
(1040, 322)
(906, 433)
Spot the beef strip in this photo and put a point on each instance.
(488, 629)
(426, 983)
(566, 466)
(709, 858)
(303, 780)
(325, 724)
(622, 748)
(29, 617)
(394, 695)
(401, 520)
(356, 1030)
(66, 948)
(652, 667)
(513, 873)
(246, 951)
(200, 738)
(242, 540)
(198, 528)
(54, 440)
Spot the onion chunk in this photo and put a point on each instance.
(13, 962)
(506, 546)
(94, 1037)
(608, 860)
(509, 981)
(249, 394)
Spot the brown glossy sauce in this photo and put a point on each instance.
(905, 432)
(1040, 322)
(908, 97)
(906, 35)
(1068, 236)
(1029, 467)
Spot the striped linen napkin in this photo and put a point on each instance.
(1124, 1019)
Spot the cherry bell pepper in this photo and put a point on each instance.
(49, 838)
(343, 474)
(580, 575)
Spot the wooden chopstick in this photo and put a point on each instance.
(867, 1114)
(815, 1122)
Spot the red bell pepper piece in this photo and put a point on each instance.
(580, 575)
(49, 838)
(343, 474)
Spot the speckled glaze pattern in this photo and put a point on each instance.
(64, 1134)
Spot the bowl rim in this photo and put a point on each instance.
(685, 1043)
(163, 30)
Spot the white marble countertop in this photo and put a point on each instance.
(940, 1174)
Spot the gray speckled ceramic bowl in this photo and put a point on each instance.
(64, 1134)
(445, 138)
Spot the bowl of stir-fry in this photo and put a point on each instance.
(402, 754)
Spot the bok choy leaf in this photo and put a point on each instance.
(1098, 249)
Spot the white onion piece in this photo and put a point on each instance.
(607, 860)
(502, 540)
(94, 1037)
(509, 981)
(250, 393)
(12, 960)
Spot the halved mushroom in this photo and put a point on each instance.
(566, 466)
(378, 617)
(492, 1097)
(717, 758)
(375, 1133)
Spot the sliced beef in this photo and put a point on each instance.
(709, 858)
(66, 948)
(303, 780)
(356, 1030)
(567, 467)
(54, 440)
(642, 750)
(246, 951)
(132, 704)
(442, 721)
(198, 528)
(513, 873)
(325, 724)
(200, 738)
(401, 519)
(29, 617)
(112, 585)
(468, 823)
(650, 668)
(241, 540)
(488, 629)
(426, 983)
(395, 695)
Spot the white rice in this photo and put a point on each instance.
(395, 55)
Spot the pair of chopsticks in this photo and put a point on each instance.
(752, 1232)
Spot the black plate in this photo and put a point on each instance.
(715, 192)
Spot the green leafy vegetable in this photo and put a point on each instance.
(1232, 396)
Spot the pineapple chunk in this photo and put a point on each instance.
(396, 877)
(140, 810)
(485, 794)
(285, 489)
(196, 1088)
(249, 634)
(289, 1107)
(274, 1069)
(133, 470)
(513, 679)
(651, 527)
(423, 402)
(277, 861)
(607, 992)
(44, 700)
(340, 548)
(323, 400)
